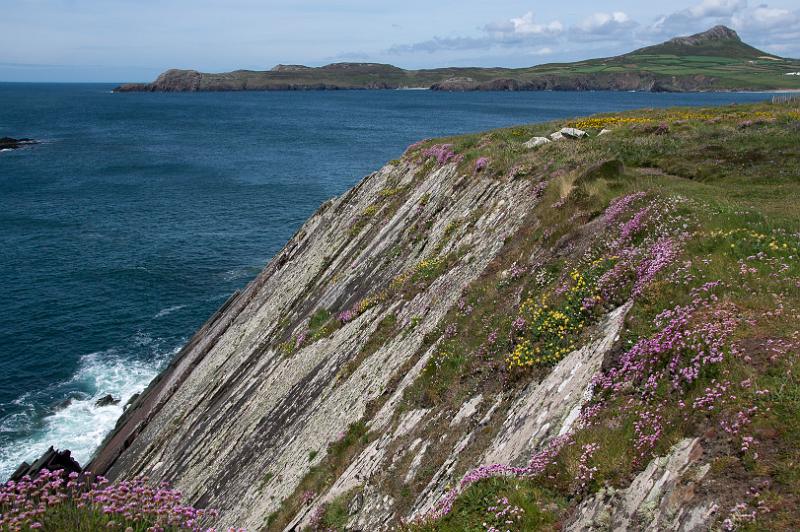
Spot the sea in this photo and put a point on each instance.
(139, 214)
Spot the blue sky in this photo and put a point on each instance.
(134, 40)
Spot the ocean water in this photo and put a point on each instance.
(139, 214)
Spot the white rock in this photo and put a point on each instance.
(604, 132)
(662, 497)
(467, 410)
(556, 136)
(536, 141)
(573, 132)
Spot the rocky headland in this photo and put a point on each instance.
(714, 60)
(587, 324)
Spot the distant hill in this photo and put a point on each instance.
(714, 60)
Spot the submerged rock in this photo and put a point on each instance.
(9, 143)
(107, 400)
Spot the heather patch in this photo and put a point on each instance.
(55, 501)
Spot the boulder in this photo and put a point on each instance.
(556, 136)
(107, 401)
(52, 460)
(573, 133)
(133, 398)
(604, 132)
(536, 141)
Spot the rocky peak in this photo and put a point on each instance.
(717, 33)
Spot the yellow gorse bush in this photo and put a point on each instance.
(551, 332)
(608, 121)
(602, 122)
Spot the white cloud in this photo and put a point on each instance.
(601, 21)
(764, 17)
(525, 25)
(717, 8)
(523, 31)
(521, 27)
(604, 26)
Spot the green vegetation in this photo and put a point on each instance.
(339, 455)
(725, 182)
(694, 216)
(495, 502)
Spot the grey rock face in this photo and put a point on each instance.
(661, 497)
(239, 420)
(234, 421)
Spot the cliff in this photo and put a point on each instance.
(593, 332)
(714, 60)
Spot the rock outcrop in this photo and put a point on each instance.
(662, 497)
(51, 460)
(8, 143)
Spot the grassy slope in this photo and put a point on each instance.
(743, 185)
(725, 182)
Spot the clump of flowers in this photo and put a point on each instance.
(621, 204)
(481, 164)
(549, 331)
(307, 497)
(502, 515)
(536, 466)
(347, 315)
(688, 338)
(55, 501)
(361, 307)
(429, 268)
(443, 153)
(586, 471)
(602, 122)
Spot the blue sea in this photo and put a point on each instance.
(140, 213)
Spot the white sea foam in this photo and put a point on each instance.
(81, 425)
(169, 310)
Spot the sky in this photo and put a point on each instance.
(135, 40)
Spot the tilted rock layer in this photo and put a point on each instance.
(463, 314)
